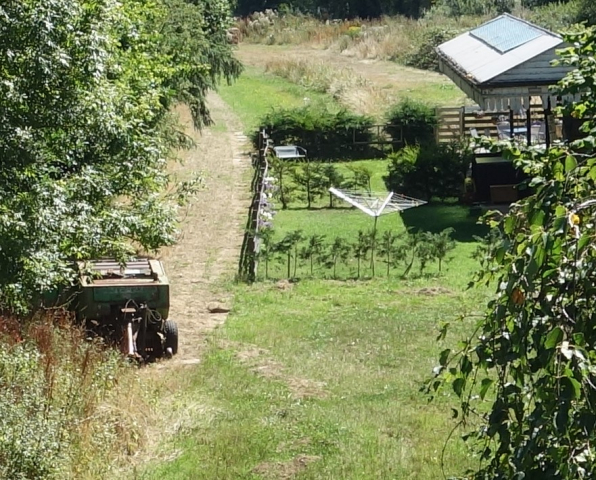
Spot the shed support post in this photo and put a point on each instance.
(529, 122)
(547, 118)
(510, 122)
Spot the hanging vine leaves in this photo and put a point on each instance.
(532, 356)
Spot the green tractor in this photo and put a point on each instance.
(128, 304)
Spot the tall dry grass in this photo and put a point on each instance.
(386, 38)
(69, 404)
(344, 85)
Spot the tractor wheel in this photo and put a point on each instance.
(171, 332)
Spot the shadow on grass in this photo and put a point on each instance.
(315, 208)
(436, 217)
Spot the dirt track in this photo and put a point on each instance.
(212, 228)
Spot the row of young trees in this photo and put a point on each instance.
(86, 130)
(311, 253)
(309, 181)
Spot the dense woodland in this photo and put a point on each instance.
(327, 9)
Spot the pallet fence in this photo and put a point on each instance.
(457, 124)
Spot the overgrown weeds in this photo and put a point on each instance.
(59, 410)
(386, 38)
(345, 86)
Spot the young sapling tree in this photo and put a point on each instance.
(443, 244)
(360, 248)
(338, 251)
(387, 248)
(313, 250)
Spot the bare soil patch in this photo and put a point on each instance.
(285, 470)
(258, 361)
(433, 291)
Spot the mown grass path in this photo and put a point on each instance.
(211, 229)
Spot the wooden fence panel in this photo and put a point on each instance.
(455, 124)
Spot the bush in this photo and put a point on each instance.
(557, 16)
(458, 8)
(55, 417)
(428, 171)
(586, 12)
(324, 135)
(424, 56)
(412, 121)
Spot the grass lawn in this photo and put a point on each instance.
(320, 379)
(255, 93)
(324, 378)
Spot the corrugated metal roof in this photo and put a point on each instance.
(505, 33)
(482, 59)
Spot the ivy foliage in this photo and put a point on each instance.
(526, 376)
(86, 89)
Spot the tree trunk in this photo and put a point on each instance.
(289, 264)
(409, 267)
(282, 197)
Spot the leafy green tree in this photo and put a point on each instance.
(586, 12)
(86, 132)
(287, 248)
(526, 374)
(387, 248)
(428, 171)
(425, 249)
(283, 171)
(411, 121)
(308, 178)
(410, 250)
(193, 39)
(361, 177)
(329, 177)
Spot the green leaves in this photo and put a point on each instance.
(86, 131)
(484, 386)
(534, 346)
(458, 386)
(570, 163)
(553, 338)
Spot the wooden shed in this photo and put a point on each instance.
(503, 63)
(506, 67)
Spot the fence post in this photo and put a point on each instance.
(462, 122)
(247, 268)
